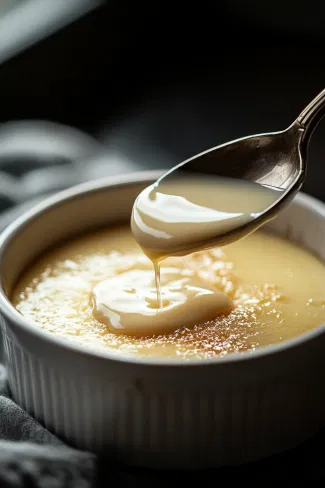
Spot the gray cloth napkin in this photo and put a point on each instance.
(30, 456)
(59, 157)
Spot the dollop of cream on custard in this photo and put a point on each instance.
(127, 303)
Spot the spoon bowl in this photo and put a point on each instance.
(277, 160)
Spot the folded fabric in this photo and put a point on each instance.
(30, 456)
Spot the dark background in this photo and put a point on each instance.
(158, 82)
(154, 83)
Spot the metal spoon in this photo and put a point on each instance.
(276, 159)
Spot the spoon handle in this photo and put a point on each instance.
(312, 114)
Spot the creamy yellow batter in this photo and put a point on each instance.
(277, 291)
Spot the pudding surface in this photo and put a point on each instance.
(276, 288)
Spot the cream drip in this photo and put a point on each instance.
(173, 218)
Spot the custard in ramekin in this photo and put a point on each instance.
(178, 402)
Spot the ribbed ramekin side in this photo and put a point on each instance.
(157, 428)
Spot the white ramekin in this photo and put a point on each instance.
(151, 412)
